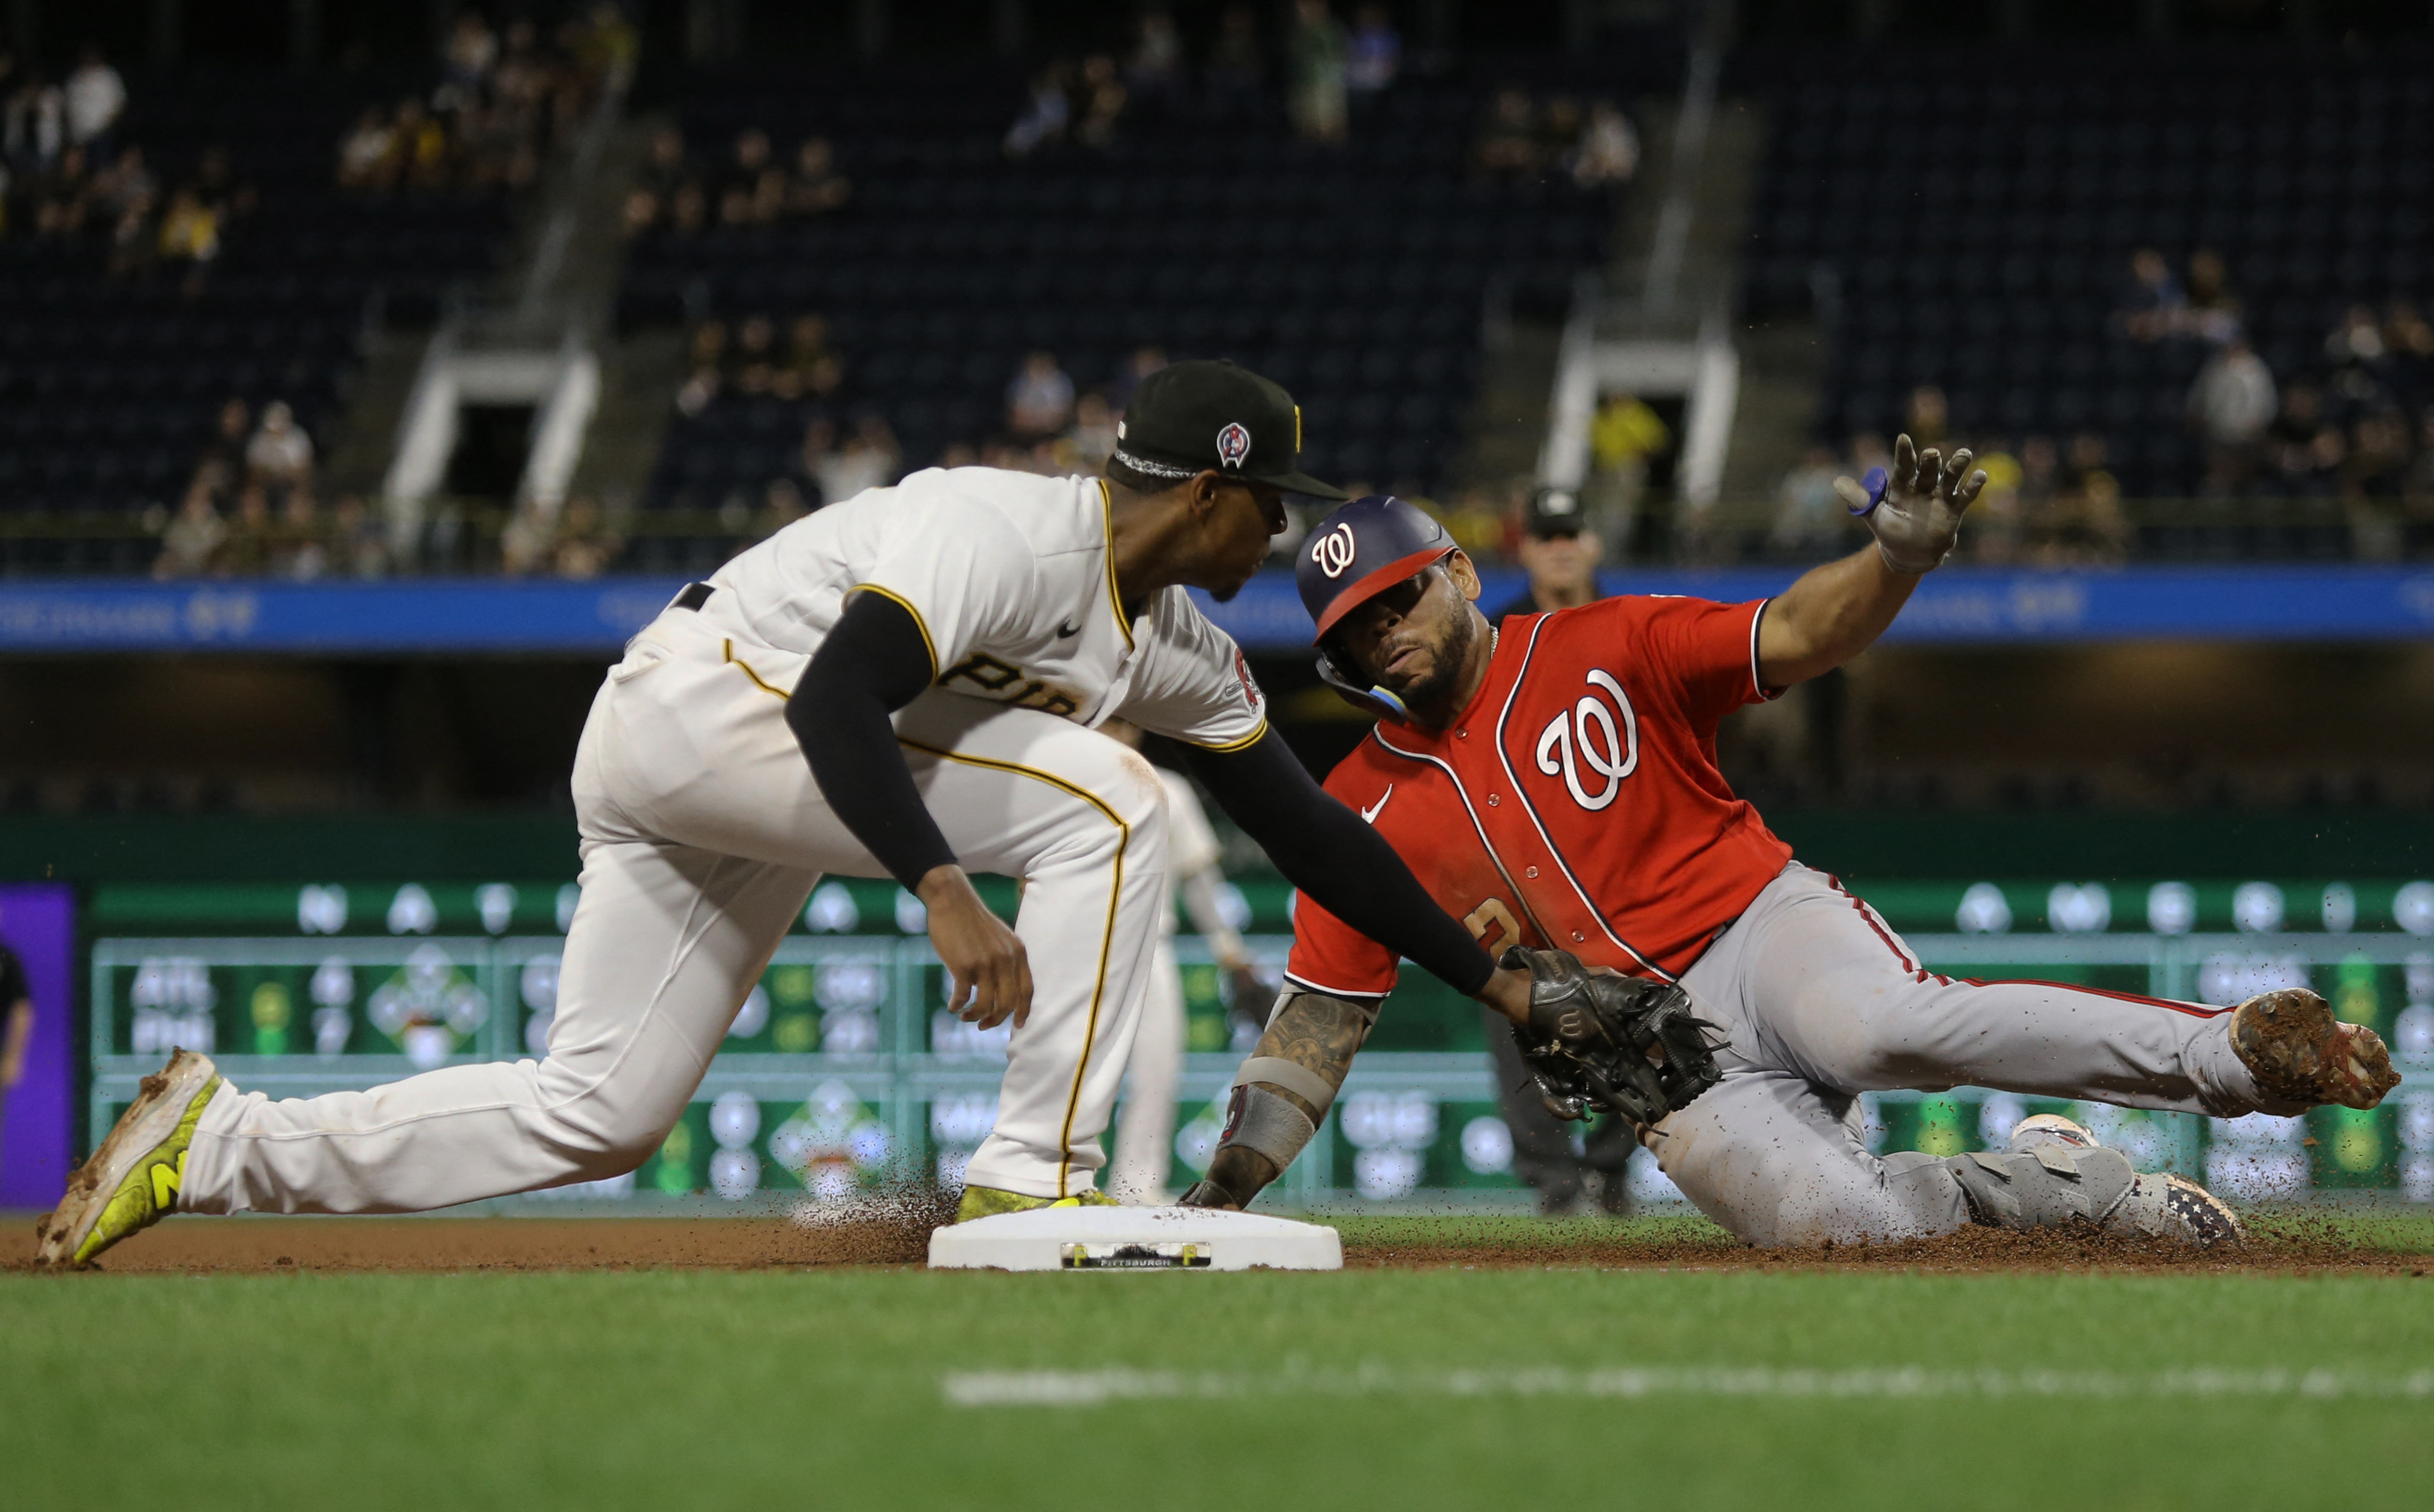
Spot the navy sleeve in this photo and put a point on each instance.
(875, 661)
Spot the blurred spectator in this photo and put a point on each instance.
(1376, 53)
(1624, 434)
(2232, 403)
(1045, 119)
(742, 200)
(2357, 340)
(368, 154)
(585, 545)
(751, 363)
(1931, 416)
(1144, 362)
(358, 543)
(868, 459)
(126, 184)
(467, 58)
(95, 97)
(222, 459)
(2379, 455)
(1992, 529)
(1508, 144)
(298, 550)
(1608, 152)
(33, 125)
(1560, 128)
(1315, 55)
(2154, 302)
(247, 552)
(1236, 75)
(781, 505)
(191, 230)
(2081, 523)
(1092, 439)
(192, 537)
(1103, 102)
(818, 187)
(1039, 401)
(1155, 70)
(281, 454)
(2214, 312)
(702, 378)
(1809, 514)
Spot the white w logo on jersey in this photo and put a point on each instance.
(1587, 736)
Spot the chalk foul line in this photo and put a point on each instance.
(1092, 1389)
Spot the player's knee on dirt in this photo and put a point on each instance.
(2046, 1185)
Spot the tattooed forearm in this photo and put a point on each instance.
(1318, 1034)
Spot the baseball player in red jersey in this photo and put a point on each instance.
(1555, 785)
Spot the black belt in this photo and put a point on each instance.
(693, 596)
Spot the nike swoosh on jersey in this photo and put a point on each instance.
(1370, 814)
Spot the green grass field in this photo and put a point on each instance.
(1425, 1387)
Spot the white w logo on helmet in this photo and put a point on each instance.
(1333, 551)
(1588, 729)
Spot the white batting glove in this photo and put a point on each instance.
(1914, 511)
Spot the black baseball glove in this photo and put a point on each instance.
(1612, 1044)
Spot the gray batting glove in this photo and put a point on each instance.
(1914, 511)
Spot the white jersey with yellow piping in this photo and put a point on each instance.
(1011, 577)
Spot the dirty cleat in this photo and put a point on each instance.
(2174, 1207)
(131, 1182)
(2300, 1053)
(2076, 1177)
(987, 1202)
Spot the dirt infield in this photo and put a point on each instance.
(899, 1237)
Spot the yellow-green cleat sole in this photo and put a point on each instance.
(132, 1181)
(987, 1202)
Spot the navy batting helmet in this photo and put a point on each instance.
(1360, 551)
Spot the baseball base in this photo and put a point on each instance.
(1131, 1239)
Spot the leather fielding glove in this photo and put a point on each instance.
(1914, 510)
(1607, 1043)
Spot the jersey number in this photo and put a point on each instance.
(1492, 924)
(1587, 736)
(991, 676)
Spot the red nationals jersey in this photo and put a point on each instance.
(1575, 803)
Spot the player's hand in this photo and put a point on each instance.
(1914, 510)
(989, 972)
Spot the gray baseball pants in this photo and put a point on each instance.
(1823, 1001)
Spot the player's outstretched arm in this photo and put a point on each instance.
(1324, 848)
(875, 661)
(1836, 612)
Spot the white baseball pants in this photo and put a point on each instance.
(703, 834)
(1823, 1001)
(1145, 1129)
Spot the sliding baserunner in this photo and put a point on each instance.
(1556, 785)
(906, 683)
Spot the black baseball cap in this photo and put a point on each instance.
(1198, 416)
(1556, 511)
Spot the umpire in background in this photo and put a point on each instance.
(1560, 552)
(16, 1025)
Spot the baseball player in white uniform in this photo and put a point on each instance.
(905, 683)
